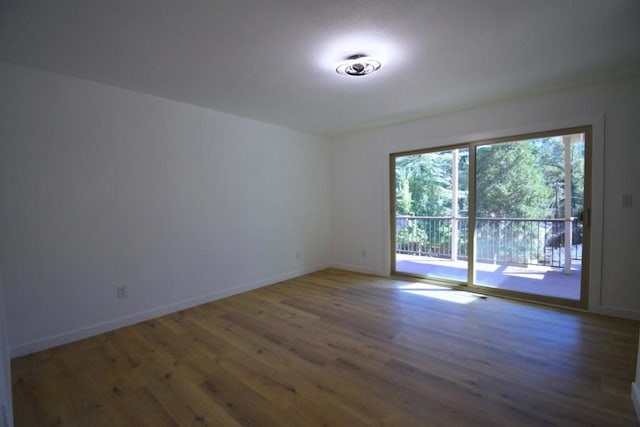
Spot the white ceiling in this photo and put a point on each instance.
(274, 60)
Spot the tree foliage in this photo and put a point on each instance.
(519, 179)
(509, 182)
(523, 179)
(423, 183)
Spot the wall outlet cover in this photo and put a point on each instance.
(121, 292)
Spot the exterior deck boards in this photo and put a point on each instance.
(532, 279)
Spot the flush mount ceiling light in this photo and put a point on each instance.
(358, 65)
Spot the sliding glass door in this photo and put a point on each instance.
(507, 216)
(432, 208)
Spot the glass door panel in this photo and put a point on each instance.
(529, 199)
(430, 227)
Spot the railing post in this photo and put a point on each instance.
(568, 228)
(454, 206)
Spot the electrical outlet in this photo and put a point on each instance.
(364, 253)
(121, 292)
(627, 200)
(298, 255)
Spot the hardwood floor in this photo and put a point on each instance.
(339, 349)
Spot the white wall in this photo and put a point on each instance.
(360, 180)
(6, 407)
(102, 187)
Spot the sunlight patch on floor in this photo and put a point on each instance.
(491, 268)
(439, 292)
(524, 273)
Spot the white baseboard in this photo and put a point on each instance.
(110, 325)
(635, 396)
(358, 269)
(617, 312)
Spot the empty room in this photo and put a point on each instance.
(330, 213)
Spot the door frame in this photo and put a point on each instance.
(470, 285)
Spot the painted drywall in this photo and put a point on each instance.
(102, 187)
(6, 407)
(360, 178)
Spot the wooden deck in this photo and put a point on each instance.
(335, 348)
(538, 280)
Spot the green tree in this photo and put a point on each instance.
(577, 178)
(403, 194)
(510, 183)
(425, 179)
(550, 154)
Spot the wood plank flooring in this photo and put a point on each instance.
(336, 348)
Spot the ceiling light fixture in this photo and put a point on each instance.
(358, 65)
